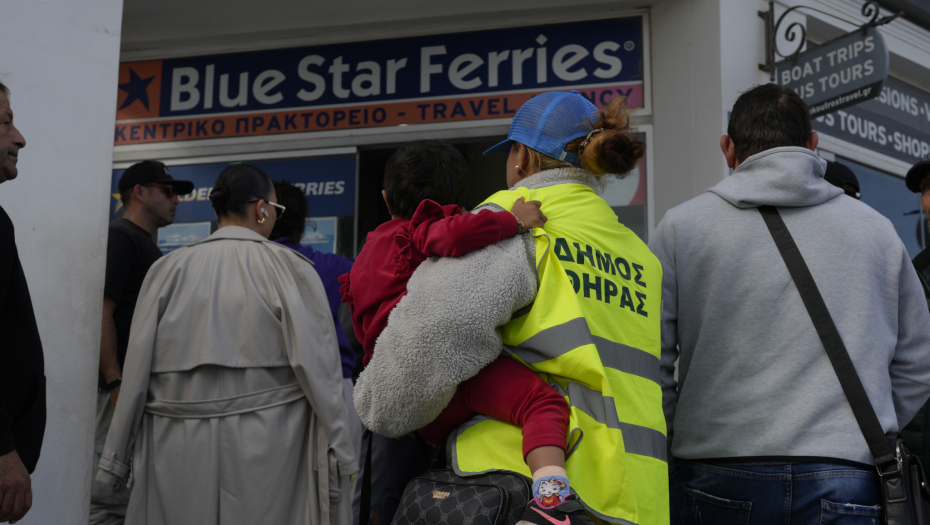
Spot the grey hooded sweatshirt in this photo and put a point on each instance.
(754, 380)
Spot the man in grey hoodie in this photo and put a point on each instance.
(757, 420)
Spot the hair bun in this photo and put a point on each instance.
(613, 146)
(219, 195)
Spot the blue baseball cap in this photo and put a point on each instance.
(548, 122)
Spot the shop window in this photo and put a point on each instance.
(487, 175)
(327, 182)
(888, 195)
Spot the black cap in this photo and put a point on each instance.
(917, 173)
(149, 171)
(840, 175)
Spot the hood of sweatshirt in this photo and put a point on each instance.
(789, 176)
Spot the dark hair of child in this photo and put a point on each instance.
(425, 169)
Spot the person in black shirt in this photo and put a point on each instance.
(22, 365)
(150, 196)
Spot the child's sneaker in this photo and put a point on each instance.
(569, 512)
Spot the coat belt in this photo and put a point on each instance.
(226, 406)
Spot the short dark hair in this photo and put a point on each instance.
(5, 90)
(425, 169)
(768, 116)
(236, 187)
(294, 221)
(126, 196)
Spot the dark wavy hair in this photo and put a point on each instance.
(236, 187)
(425, 169)
(292, 224)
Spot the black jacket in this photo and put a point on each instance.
(22, 365)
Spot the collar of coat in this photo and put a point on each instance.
(560, 176)
(239, 233)
(236, 232)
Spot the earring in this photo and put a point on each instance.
(261, 221)
(518, 167)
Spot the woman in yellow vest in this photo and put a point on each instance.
(578, 301)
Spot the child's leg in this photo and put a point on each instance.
(511, 392)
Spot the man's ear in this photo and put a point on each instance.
(140, 193)
(813, 140)
(729, 151)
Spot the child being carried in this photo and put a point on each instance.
(425, 185)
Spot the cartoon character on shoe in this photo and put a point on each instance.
(549, 490)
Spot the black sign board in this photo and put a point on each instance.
(838, 74)
(896, 123)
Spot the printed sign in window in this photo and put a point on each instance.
(320, 234)
(174, 236)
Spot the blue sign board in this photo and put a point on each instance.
(437, 78)
(327, 182)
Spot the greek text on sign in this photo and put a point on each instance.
(440, 78)
(838, 74)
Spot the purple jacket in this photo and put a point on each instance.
(329, 267)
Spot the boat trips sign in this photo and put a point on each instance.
(838, 74)
(440, 78)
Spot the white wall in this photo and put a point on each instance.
(704, 54)
(742, 38)
(686, 90)
(60, 59)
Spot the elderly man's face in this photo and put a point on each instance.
(11, 141)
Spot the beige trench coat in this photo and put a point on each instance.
(231, 409)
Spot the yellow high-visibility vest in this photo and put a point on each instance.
(593, 334)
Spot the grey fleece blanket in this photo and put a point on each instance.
(446, 315)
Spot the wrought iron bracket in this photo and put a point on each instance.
(797, 31)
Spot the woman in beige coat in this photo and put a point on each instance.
(231, 408)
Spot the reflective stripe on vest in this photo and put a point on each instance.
(593, 334)
(557, 340)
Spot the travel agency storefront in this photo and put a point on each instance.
(326, 111)
(328, 117)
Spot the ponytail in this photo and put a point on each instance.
(612, 146)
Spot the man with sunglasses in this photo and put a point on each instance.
(150, 197)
